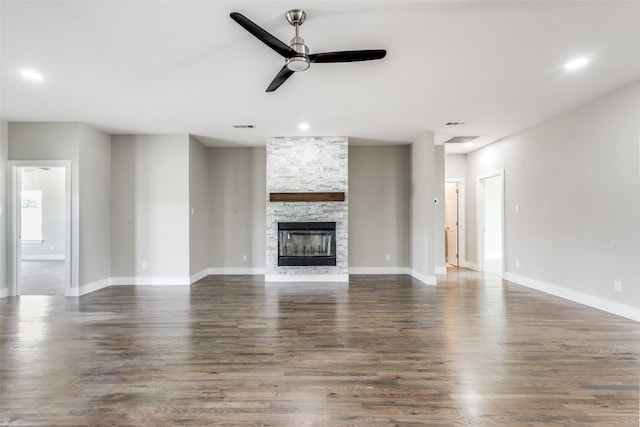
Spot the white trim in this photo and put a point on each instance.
(442, 270)
(59, 257)
(608, 306)
(151, 281)
(199, 276)
(251, 271)
(4, 292)
(306, 277)
(379, 270)
(427, 280)
(88, 288)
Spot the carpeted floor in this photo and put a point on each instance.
(42, 278)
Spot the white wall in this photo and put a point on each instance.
(576, 181)
(200, 218)
(4, 145)
(237, 209)
(379, 209)
(52, 184)
(150, 209)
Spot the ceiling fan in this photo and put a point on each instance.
(296, 54)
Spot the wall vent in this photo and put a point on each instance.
(454, 123)
(243, 126)
(460, 139)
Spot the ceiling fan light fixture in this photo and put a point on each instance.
(298, 63)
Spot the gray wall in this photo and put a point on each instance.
(95, 205)
(576, 180)
(199, 219)
(150, 202)
(237, 208)
(4, 145)
(379, 206)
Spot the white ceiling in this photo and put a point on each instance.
(186, 67)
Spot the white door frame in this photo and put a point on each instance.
(15, 252)
(480, 215)
(462, 256)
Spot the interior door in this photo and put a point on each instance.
(451, 223)
(492, 206)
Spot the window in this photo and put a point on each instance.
(31, 216)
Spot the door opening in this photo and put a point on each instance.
(451, 224)
(41, 228)
(491, 194)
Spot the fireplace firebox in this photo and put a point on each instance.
(306, 243)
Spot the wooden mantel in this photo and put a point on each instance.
(336, 196)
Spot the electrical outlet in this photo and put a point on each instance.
(244, 258)
(517, 263)
(516, 209)
(387, 257)
(617, 286)
(53, 248)
(144, 265)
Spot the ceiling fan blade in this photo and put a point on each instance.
(348, 56)
(263, 35)
(280, 78)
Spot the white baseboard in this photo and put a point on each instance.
(612, 307)
(442, 270)
(470, 265)
(151, 281)
(43, 257)
(306, 277)
(4, 292)
(427, 280)
(199, 275)
(379, 270)
(251, 271)
(88, 288)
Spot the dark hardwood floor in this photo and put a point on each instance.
(383, 350)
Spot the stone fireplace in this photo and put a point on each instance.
(307, 165)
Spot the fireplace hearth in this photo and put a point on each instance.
(306, 243)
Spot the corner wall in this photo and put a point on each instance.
(237, 210)
(427, 216)
(199, 213)
(150, 209)
(379, 209)
(4, 241)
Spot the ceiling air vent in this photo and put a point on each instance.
(454, 123)
(460, 139)
(243, 126)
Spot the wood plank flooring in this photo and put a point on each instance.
(380, 351)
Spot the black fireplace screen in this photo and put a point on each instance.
(306, 243)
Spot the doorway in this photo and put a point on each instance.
(491, 209)
(451, 212)
(40, 227)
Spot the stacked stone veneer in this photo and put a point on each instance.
(307, 165)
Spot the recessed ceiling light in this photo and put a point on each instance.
(303, 126)
(576, 63)
(32, 75)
